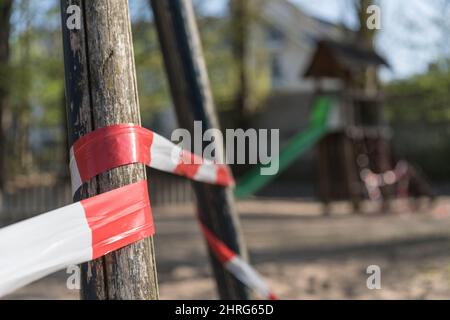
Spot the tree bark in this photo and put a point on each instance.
(101, 90)
(191, 94)
(5, 29)
(365, 35)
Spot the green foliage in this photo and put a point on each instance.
(222, 70)
(37, 70)
(419, 112)
(35, 76)
(424, 98)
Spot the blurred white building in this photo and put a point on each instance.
(290, 37)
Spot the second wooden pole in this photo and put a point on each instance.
(191, 94)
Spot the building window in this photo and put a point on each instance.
(274, 38)
(277, 70)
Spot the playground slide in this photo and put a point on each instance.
(252, 182)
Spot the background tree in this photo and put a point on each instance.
(5, 28)
(240, 20)
(365, 34)
(35, 118)
(21, 160)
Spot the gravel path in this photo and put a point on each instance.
(303, 254)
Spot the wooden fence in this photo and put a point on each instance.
(25, 203)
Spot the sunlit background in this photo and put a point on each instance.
(312, 255)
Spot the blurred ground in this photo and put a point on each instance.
(303, 254)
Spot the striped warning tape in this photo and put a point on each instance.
(236, 266)
(74, 234)
(114, 146)
(91, 228)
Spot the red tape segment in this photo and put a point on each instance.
(80, 232)
(118, 145)
(119, 218)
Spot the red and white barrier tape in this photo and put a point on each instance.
(114, 146)
(237, 266)
(94, 227)
(74, 234)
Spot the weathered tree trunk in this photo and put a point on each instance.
(100, 91)
(240, 19)
(22, 155)
(191, 93)
(5, 28)
(364, 34)
(64, 173)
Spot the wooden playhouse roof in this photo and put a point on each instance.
(341, 60)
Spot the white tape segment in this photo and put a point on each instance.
(77, 233)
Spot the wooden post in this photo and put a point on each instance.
(191, 93)
(323, 174)
(100, 91)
